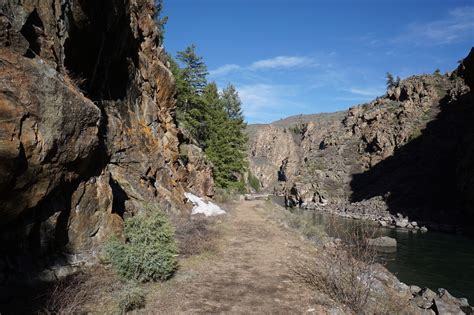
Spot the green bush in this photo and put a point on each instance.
(131, 298)
(298, 129)
(149, 252)
(254, 182)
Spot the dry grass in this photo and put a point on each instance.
(131, 298)
(195, 235)
(346, 269)
(72, 294)
(225, 196)
(295, 221)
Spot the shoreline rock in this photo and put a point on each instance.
(383, 241)
(257, 197)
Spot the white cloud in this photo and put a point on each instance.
(267, 102)
(353, 99)
(280, 62)
(225, 69)
(458, 26)
(269, 94)
(372, 92)
(283, 62)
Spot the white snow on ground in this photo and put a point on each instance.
(201, 206)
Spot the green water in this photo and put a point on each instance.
(432, 259)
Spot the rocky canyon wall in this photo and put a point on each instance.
(409, 152)
(87, 131)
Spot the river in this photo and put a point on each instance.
(432, 259)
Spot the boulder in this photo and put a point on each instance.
(257, 197)
(402, 223)
(199, 179)
(415, 289)
(383, 241)
(428, 294)
(444, 307)
(422, 302)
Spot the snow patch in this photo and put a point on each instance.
(201, 206)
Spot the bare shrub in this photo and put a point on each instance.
(69, 295)
(77, 81)
(345, 270)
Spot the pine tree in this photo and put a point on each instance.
(232, 103)
(397, 81)
(190, 111)
(227, 141)
(184, 91)
(390, 80)
(215, 121)
(160, 21)
(195, 70)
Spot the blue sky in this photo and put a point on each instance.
(288, 57)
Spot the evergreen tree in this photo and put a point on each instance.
(160, 21)
(186, 96)
(195, 70)
(227, 141)
(190, 111)
(232, 103)
(391, 81)
(215, 121)
(397, 81)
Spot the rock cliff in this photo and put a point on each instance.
(408, 152)
(87, 130)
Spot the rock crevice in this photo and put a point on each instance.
(87, 129)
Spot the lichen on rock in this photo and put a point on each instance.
(87, 127)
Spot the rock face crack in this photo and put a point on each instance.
(91, 77)
(32, 31)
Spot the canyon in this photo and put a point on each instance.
(407, 154)
(89, 138)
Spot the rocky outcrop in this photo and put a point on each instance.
(199, 178)
(273, 152)
(383, 241)
(406, 152)
(413, 299)
(87, 131)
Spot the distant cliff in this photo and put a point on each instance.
(87, 130)
(409, 151)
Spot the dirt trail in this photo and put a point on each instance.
(248, 273)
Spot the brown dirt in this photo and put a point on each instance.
(248, 272)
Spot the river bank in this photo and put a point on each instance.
(252, 269)
(259, 257)
(433, 259)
